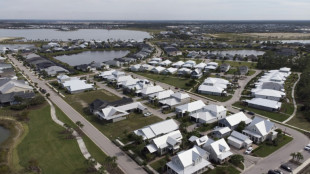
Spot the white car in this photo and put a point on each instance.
(248, 150)
(147, 114)
(307, 148)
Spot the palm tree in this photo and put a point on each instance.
(293, 155)
(299, 156)
(101, 170)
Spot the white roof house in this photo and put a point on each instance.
(157, 59)
(153, 62)
(213, 86)
(260, 129)
(191, 161)
(129, 82)
(61, 78)
(285, 70)
(75, 85)
(158, 69)
(211, 66)
(183, 71)
(135, 67)
(170, 70)
(178, 64)
(200, 141)
(216, 110)
(175, 99)
(233, 120)
(200, 65)
(264, 104)
(210, 114)
(269, 94)
(146, 67)
(171, 141)
(192, 107)
(161, 95)
(112, 113)
(189, 64)
(165, 63)
(239, 140)
(10, 85)
(157, 129)
(204, 117)
(219, 150)
(151, 90)
(104, 74)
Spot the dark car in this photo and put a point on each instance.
(286, 167)
(251, 113)
(242, 110)
(43, 91)
(272, 172)
(278, 171)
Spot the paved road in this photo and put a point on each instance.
(158, 51)
(124, 162)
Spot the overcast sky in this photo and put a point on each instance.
(156, 9)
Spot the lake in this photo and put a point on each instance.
(240, 52)
(89, 56)
(86, 34)
(15, 46)
(4, 134)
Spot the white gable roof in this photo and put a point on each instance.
(180, 96)
(214, 108)
(190, 107)
(151, 90)
(265, 102)
(162, 94)
(237, 118)
(262, 126)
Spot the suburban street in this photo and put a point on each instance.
(124, 162)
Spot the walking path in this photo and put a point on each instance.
(294, 101)
(78, 138)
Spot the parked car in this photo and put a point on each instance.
(286, 167)
(43, 91)
(278, 171)
(147, 114)
(251, 113)
(242, 110)
(272, 172)
(307, 148)
(248, 150)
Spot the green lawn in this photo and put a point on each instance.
(237, 64)
(44, 143)
(92, 148)
(264, 149)
(223, 170)
(273, 115)
(168, 79)
(111, 130)
(217, 98)
(287, 108)
(157, 165)
(300, 121)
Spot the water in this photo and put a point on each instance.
(4, 134)
(240, 52)
(86, 34)
(89, 56)
(15, 46)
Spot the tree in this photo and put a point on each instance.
(48, 95)
(236, 159)
(293, 155)
(299, 156)
(101, 170)
(79, 124)
(241, 126)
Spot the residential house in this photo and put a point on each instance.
(54, 70)
(221, 132)
(196, 73)
(75, 85)
(157, 129)
(269, 94)
(210, 114)
(158, 69)
(135, 68)
(224, 67)
(170, 71)
(145, 92)
(10, 85)
(165, 63)
(166, 143)
(264, 104)
(219, 150)
(172, 51)
(190, 108)
(232, 121)
(184, 71)
(162, 95)
(178, 64)
(211, 66)
(146, 67)
(260, 130)
(114, 114)
(189, 64)
(62, 78)
(191, 161)
(200, 66)
(239, 140)
(9, 99)
(99, 104)
(175, 100)
(200, 141)
(214, 86)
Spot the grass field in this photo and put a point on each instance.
(157, 165)
(300, 121)
(223, 169)
(237, 63)
(170, 80)
(264, 150)
(111, 130)
(273, 115)
(54, 153)
(218, 98)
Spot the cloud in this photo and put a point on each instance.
(156, 9)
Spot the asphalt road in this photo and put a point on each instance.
(125, 163)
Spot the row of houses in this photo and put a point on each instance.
(214, 86)
(269, 90)
(6, 70)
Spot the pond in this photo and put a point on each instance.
(4, 134)
(90, 56)
(86, 34)
(240, 52)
